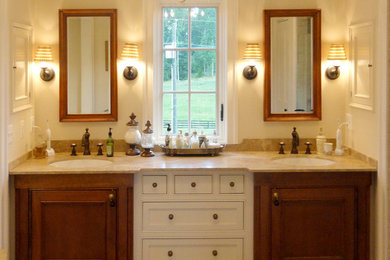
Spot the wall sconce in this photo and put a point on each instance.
(130, 53)
(336, 53)
(252, 53)
(44, 56)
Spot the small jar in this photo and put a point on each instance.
(133, 136)
(147, 141)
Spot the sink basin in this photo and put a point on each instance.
(303, 161)
(81, 163)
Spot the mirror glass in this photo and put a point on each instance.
(291, 65)
(88, 87)
(292, 71)
(88, 65)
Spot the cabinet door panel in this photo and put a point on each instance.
(315, 224)
(77, 224)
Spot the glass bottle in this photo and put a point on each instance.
(110, 144)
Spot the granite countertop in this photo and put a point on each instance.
(250, 161)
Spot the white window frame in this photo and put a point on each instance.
(226, 79)
(189, 92)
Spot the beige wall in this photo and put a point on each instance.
(364, 135)
(20, 11)
(250, 93)
(130, 29)
(369, 131)
(250, 29)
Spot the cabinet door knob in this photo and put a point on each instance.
(232, 184)
(111, 198)
(276, 199)
(215, 252)
(154, 184)
(193, 184)
(215, 216)
(171, 216)
(170, 253)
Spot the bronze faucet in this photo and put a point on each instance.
(295, 141)
(85, 142)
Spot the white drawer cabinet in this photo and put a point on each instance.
(193, 216)
(154, 184)
(193, 184)
(232, 184)
(192, 249)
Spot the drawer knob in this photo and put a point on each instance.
(215, 252)
(170, 253)
(154, 184)
(215, 216)
(232, 184)
(171, 216)
(193, 184)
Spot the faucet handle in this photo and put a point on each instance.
(73, 149)
(281, 150)
(307, 148)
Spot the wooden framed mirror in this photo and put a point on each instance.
(292, 72)
(88, 70)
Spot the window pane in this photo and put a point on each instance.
(175, 27)
(175, 112)
(203, 69)
(203, 27)
(175, 71)
(203, 112)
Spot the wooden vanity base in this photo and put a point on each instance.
(313, 216)
(87, 216)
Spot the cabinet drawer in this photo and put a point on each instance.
(154, 184)
(193, 216)
(232, 184)
(193, 184)
(192, 249)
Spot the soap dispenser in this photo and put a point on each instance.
(320, 140)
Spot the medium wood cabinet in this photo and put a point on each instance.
(311, 216)
(73, 224)
(74, 217)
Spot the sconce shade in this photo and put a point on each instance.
(43, 54)
(253, 52)
(130, 51)
(337, 52)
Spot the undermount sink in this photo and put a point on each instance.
(303, 161)
(81, 163)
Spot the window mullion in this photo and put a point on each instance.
(189, 70)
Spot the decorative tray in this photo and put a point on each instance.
(203, 151)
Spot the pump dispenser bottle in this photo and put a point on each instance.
(320, 140)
